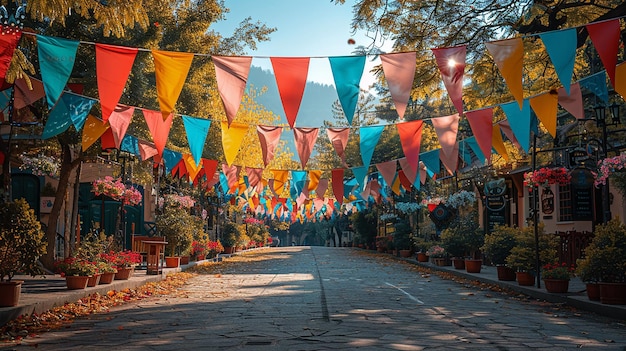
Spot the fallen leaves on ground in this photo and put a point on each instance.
(58, 317)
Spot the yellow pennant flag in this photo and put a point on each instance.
(314, 179)
(231, 139)
(396, 186)
(92, 131)
(192, 168)
(171, 69)
(620, 79)
(545, 107)
(498, 143)
(509, 58)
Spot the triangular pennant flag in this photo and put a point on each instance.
(269, 136)
(231, 74)
(509, 56)
(209, 166)
(232, 175)
(411, 138)
(620, 79)
(232, 137)
(254, 176)
(388, 170)
(119, 120)
(56, 60)
(399, 69)
(505, 128)
(339, 139)
(322, 186)
(93, 129)
(113, 66)
(369, 139)
(192, 168)
(572, 102)
(298, 178)
(596, 83)
(171, 69)
(337, 180)
(431, 160)
(314, 179)
(146, 149)
(305, 142)
(451, 63)
(519, 120)
(561, 47)
(70, 109)
(447, 129)
(280, 178)
(8, 43)
(396, 184)
(404, 180)
(545, 107)
(605, 37)
(24, 96)
(347, 72)
(408, 171)
(290, 73)
(130, 144)
(179, 170)
(473, 144)
(106, 140)
(481, 123)
(159, 128)
(197, 130)
(498, 143)
(450, 160)
(360, 173)
(170, 159)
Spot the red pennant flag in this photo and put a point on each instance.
(231, 74)
(399, 70)
(179, 170)
(451, 63)
(24, 96)
(113, 66)
(411, 138)
(209, 166)
(269, 137)
(481, 123)
(404, 180)
(305, 142)
(8, 43)
(408, 171)
(337, 179)
(159, 128)
(605, 37)
(291, 73)
(107, 140)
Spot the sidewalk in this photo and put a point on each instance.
(575, 297)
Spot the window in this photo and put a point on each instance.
(565, 203)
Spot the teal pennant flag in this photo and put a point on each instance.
(561, 47)
(130, 144)
(298, 179)
(197, 130)
(369, 139)
(56, 61)
(360, 173)
(171, 159)
(519, 120)
(347, 72)
(431, 161)
(596, 83)
(70, 109)
(473, 144)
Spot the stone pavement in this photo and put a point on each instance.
(315, 298)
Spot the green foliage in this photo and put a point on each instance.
(176, 224)
(605, 257)
(364, 224)
(231, 234)
(499, 243)
(22, 241)
(523, 258)
(402, 235)
(463, 237)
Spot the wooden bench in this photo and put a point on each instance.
(139, 246)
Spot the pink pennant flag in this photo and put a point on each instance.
(408, 171)
(322, 186)
(423, 172)
(119, 120)
(505, 127)
(290, 73)
(269, 136)
(399, 70)
(232, 175)
(447, 129)
(481, 122)
(159, 128)
(375, 190)
(231, 73)
(451, 63)
(339, 139)
(254, 176)
(388, 170)
(411, 139)
(605, 37)
(573, 102)
(146, 149)
(305, 142)
(24, 96)
(113, 66)
(451, 160)
(214, 180)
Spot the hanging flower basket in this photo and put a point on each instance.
(607, 166)
(461, 199)
(547, 176)
(116, 190)
(41, 165)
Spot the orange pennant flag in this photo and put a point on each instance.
(291, 73)
(498, 143)
(191, 166)
(93, 129)
(509, 57)
(314, 179)
(280, 178)
(545, 107)
(620, 79)
(171, 69)
(232, 137)
(146, 149)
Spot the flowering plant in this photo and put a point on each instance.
(71, 266)
(40, 165)
(388, 216)
(557, 271)
(176, 201)
(122, 259)
(252, 220)
(105, 267)
(608, 166)
(115, 189)
(198, 247)
(547, 176)
(214, 248)
(461, 199)
(407, 207)
(436, 251)
(432, 201)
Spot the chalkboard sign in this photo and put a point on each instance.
(582, 194)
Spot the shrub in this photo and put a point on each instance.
(499, 243)
(605, 257)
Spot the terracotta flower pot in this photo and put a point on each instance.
(124, 273)
(422, 257)
(525, 279)
(76, 282)
(473, 266)
(106, 278)
(10, 293)
(405, 253)
(556, 285)
(593, 291)
(505, 273)
(228, 250)
(93, 280)
(613, 293)
(184, 259)
(458, 263)
(172, 262)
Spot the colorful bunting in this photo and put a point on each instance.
(337, 180)
(509, 56)
(231, 74)
(545, 107)
(305, 142)
(498, 143)
(481, 123)
(93, 129)
(171, 69)
(369, 139)
(388, 170)
(596, 83)
(339, 139)
(411, 139)
(290, 73)
(146, 149)
(119, 120)
(447, 129)
(347, 72)
(314, 179)
(197, 130)
(561, 47)
(572, 102)
(56, 60)
(24, 96)
(399, 69)
(70, 109)
(113, 66)
(519, 120)
(159, 128)
(232, 137)
(451, 63)
(605, 37)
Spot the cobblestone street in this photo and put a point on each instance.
(318, 298)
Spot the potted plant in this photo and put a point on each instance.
(463, 240)
(605, 261)
(230, 237)
(556, 277)
(437, 254)
(125, 262)
(402, 238)
(497, 246)
(22, 242)
(174, 224)
(453, 241)
(76, 271)
(421, 245)
(107, 271)
(523, 258)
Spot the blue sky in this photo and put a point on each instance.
(310, 28)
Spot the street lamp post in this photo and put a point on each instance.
(601, 121)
